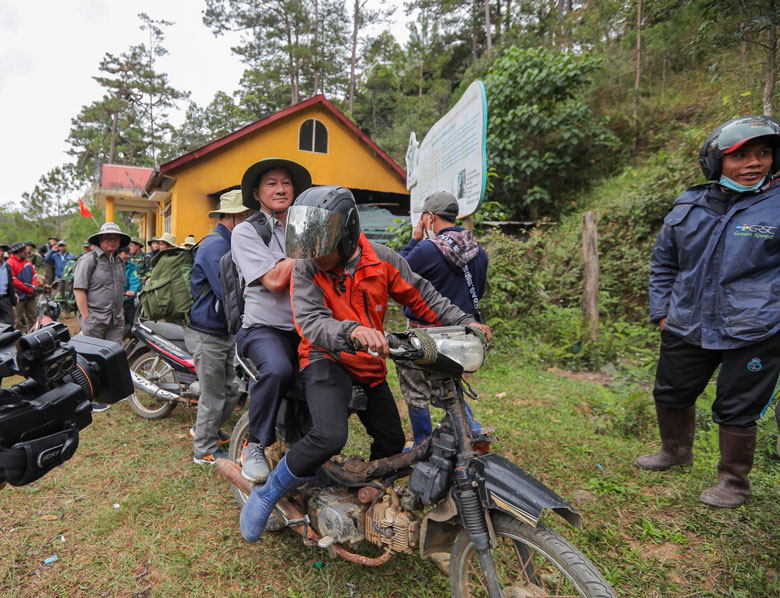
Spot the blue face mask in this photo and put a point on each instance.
(734, 186)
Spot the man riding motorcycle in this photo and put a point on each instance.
(339, 297)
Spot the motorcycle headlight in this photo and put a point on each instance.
(459, 345)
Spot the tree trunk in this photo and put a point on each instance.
(473, 30)
(316, 47)
(508, 15)
(354, 57)
(488, 33)
(638, 71)
(291, 60)
(770, 74)
(498, 22)
(113, 137)
(590, 291)
(419, 91)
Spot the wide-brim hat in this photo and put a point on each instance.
(86, 243)
(167, 237)
(136, 240)
(62, 244)
(189, 240)
(109, 228)
(230, 202)
(301, 179)
(5, 247)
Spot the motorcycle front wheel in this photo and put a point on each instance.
(531, 562)
(237, 437)
(150, 366)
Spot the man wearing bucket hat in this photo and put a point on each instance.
(99, 287)
(165, 241)
(139, 259)
(189, 242)
(7, 294)
(267, 336)
(207, 335)
(714, 280)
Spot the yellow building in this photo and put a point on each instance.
(178, 195)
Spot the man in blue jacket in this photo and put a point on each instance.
(207, 335)
(714, 288)
(456, 266)
(58, 258)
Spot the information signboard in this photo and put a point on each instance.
(452, 157)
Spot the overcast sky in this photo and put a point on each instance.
(51, 49)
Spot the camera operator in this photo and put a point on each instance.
(7, 294)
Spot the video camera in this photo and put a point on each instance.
(40, 418)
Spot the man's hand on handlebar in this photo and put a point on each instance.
(368, 339)
(484, 328)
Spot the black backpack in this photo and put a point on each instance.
(232, 285)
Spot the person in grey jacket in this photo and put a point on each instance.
(714, 288)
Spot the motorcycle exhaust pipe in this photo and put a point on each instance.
(150, 387)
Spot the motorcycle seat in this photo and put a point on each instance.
(172, 332)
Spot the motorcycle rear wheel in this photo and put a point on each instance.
(151, 367)
(237, 438)
(532, 562)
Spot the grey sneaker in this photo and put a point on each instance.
(254, 467)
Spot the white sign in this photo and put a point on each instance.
(452, 157)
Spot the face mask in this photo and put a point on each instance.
(429, 231)
(734, 186)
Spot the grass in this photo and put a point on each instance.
(139, 519)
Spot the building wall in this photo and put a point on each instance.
(349, 163)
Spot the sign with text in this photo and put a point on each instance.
(452, 156)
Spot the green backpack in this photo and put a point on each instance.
(64, 287)
(167, 294)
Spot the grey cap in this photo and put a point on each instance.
(442, 204)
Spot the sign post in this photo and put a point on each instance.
(452, 156)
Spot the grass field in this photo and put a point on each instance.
(131, 516)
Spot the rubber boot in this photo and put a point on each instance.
(677, 428)
(261, 502)
(421, 423)
(737, 447)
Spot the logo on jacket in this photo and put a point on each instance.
(754, 365)
(757, 231)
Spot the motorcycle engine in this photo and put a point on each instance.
(338, 515)
(400, 526)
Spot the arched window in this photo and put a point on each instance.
(313, 137)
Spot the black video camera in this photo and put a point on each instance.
(40, 418)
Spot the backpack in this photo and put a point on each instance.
(232, 284)
(167, 294)
(64, 285)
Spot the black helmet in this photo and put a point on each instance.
(17, 247)
(321, 220)
(732, 134)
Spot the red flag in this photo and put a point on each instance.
(84, 210)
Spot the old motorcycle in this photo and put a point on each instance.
(476, 514)
(163, 370)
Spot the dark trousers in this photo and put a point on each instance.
(129, 308)
(746, 381)
(328, 389)
(6, 310)
(274, 353)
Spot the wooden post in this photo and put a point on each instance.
(590, 292)
(468, 222)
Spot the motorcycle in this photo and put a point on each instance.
(473, 512)
(48, 310)
(163, 371)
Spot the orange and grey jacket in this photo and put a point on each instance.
(328, 306)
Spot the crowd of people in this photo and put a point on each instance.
(315, 292)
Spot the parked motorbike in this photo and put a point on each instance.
(48, 310)
(472, 511)
(163, 370)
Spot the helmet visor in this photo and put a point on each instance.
(311, 232)
(737, 133)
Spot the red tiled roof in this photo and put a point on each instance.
(258, 124)
(116, 176)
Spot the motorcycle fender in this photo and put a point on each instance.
(508, 488)
(135, 350)
(439, 528)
